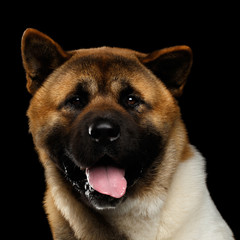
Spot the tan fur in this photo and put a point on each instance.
(103, 72)
(60, 226)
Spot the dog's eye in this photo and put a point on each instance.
(132, 101)
(77, 102)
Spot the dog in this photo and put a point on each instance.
(108, 131)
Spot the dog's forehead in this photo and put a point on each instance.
(105, 60)
(103, 66)
(102, 70)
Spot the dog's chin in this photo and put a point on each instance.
(101, 201)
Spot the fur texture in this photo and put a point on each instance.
(133, 96)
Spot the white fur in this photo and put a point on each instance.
(189, 212)
(186, 212)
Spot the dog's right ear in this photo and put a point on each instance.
(41, 55)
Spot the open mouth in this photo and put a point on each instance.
(104, 178)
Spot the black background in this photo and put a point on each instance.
(210, 103)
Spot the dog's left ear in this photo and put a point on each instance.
(41, 55)
(172, 65)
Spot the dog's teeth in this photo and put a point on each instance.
(87, 186)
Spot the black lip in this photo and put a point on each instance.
(107, 160)
(74, 174)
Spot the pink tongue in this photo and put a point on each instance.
(107, 180)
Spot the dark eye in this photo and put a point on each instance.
(132, 101)
(77, 102)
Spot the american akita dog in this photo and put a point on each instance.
(109, 134)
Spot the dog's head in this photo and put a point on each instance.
(104, 116)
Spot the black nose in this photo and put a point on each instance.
(104, 131)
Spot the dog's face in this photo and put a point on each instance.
(103, 116)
